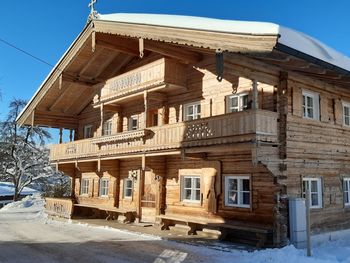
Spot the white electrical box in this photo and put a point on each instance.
(297, 222)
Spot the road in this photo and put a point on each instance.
(27, 237)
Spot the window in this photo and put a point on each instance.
(87, 131)
(237, 191)
(191, 188)
(192, 111)
(310, 105)
(346, 114)
(128, 186)
(315, 190)
(107, 128)
(84, 189)
(155, 119)
(237, 102)
(133, 123)
(346, 185)
(104, 187)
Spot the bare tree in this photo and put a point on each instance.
(23, 155)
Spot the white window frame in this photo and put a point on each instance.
(315, 107)
(88, 131)
(319, 191)
(196, 111)
(128, 188)
(104, 187)
(346, 105)
(193, 188)
(84, 187)
(132, 127)
(107, 128)
(239, 191)
(240, 106)
(346, 191)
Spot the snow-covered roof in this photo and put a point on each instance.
(288, 37)
(8, 189)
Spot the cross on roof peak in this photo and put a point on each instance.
(93, 12)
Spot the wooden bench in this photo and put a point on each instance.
(112, 213)
(226, 228)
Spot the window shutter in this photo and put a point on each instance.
(324, 108)
(338, 111)
(96, 187)
(77, 186)
(297, 101)
(111, 184)
(91, 185)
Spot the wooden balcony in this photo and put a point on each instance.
(160, 74)
(229, 128)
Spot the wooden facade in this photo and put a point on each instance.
(160, 139)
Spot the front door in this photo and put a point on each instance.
(149, 197)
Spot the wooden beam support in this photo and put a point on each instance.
(79, 81)
(129, 48)
(113, 108)
(171, 51)
(255, 105)
(156, 96)
(93, 41)
(59, 99)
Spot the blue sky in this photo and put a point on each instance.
(47, 28)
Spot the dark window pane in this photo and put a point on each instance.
(197, 182)
(314, 199)
(232, 197)
(198, 195)
(246, 199)
(245, 184)
(313, 186)
(187, 193)
(188, 182)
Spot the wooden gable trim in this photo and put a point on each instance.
(54, 75)
(190, 37)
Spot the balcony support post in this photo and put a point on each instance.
(255, 104)
(145, 101)
(60, 135)
(70, 135)
(102, 120)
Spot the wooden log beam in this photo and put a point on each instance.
(156, 96)
(129, 47)
(171, 51)
(79, 80)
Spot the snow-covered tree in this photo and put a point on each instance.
(24, 158)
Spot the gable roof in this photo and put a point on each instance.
(287, 37)
(252, 38)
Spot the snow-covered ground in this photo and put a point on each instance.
(27, 235)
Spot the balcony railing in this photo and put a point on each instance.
(164, 72)
(229, 128)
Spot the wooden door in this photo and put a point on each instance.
(149, 197)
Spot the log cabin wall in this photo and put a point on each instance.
(109, 171)
(238, 164)
(319, 149)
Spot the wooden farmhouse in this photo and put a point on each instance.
(202, 122)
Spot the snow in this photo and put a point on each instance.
(27, 235)
(288, 37)
(8, 189)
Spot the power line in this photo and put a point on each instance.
(27, 53)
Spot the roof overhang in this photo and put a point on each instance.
(77, 67)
